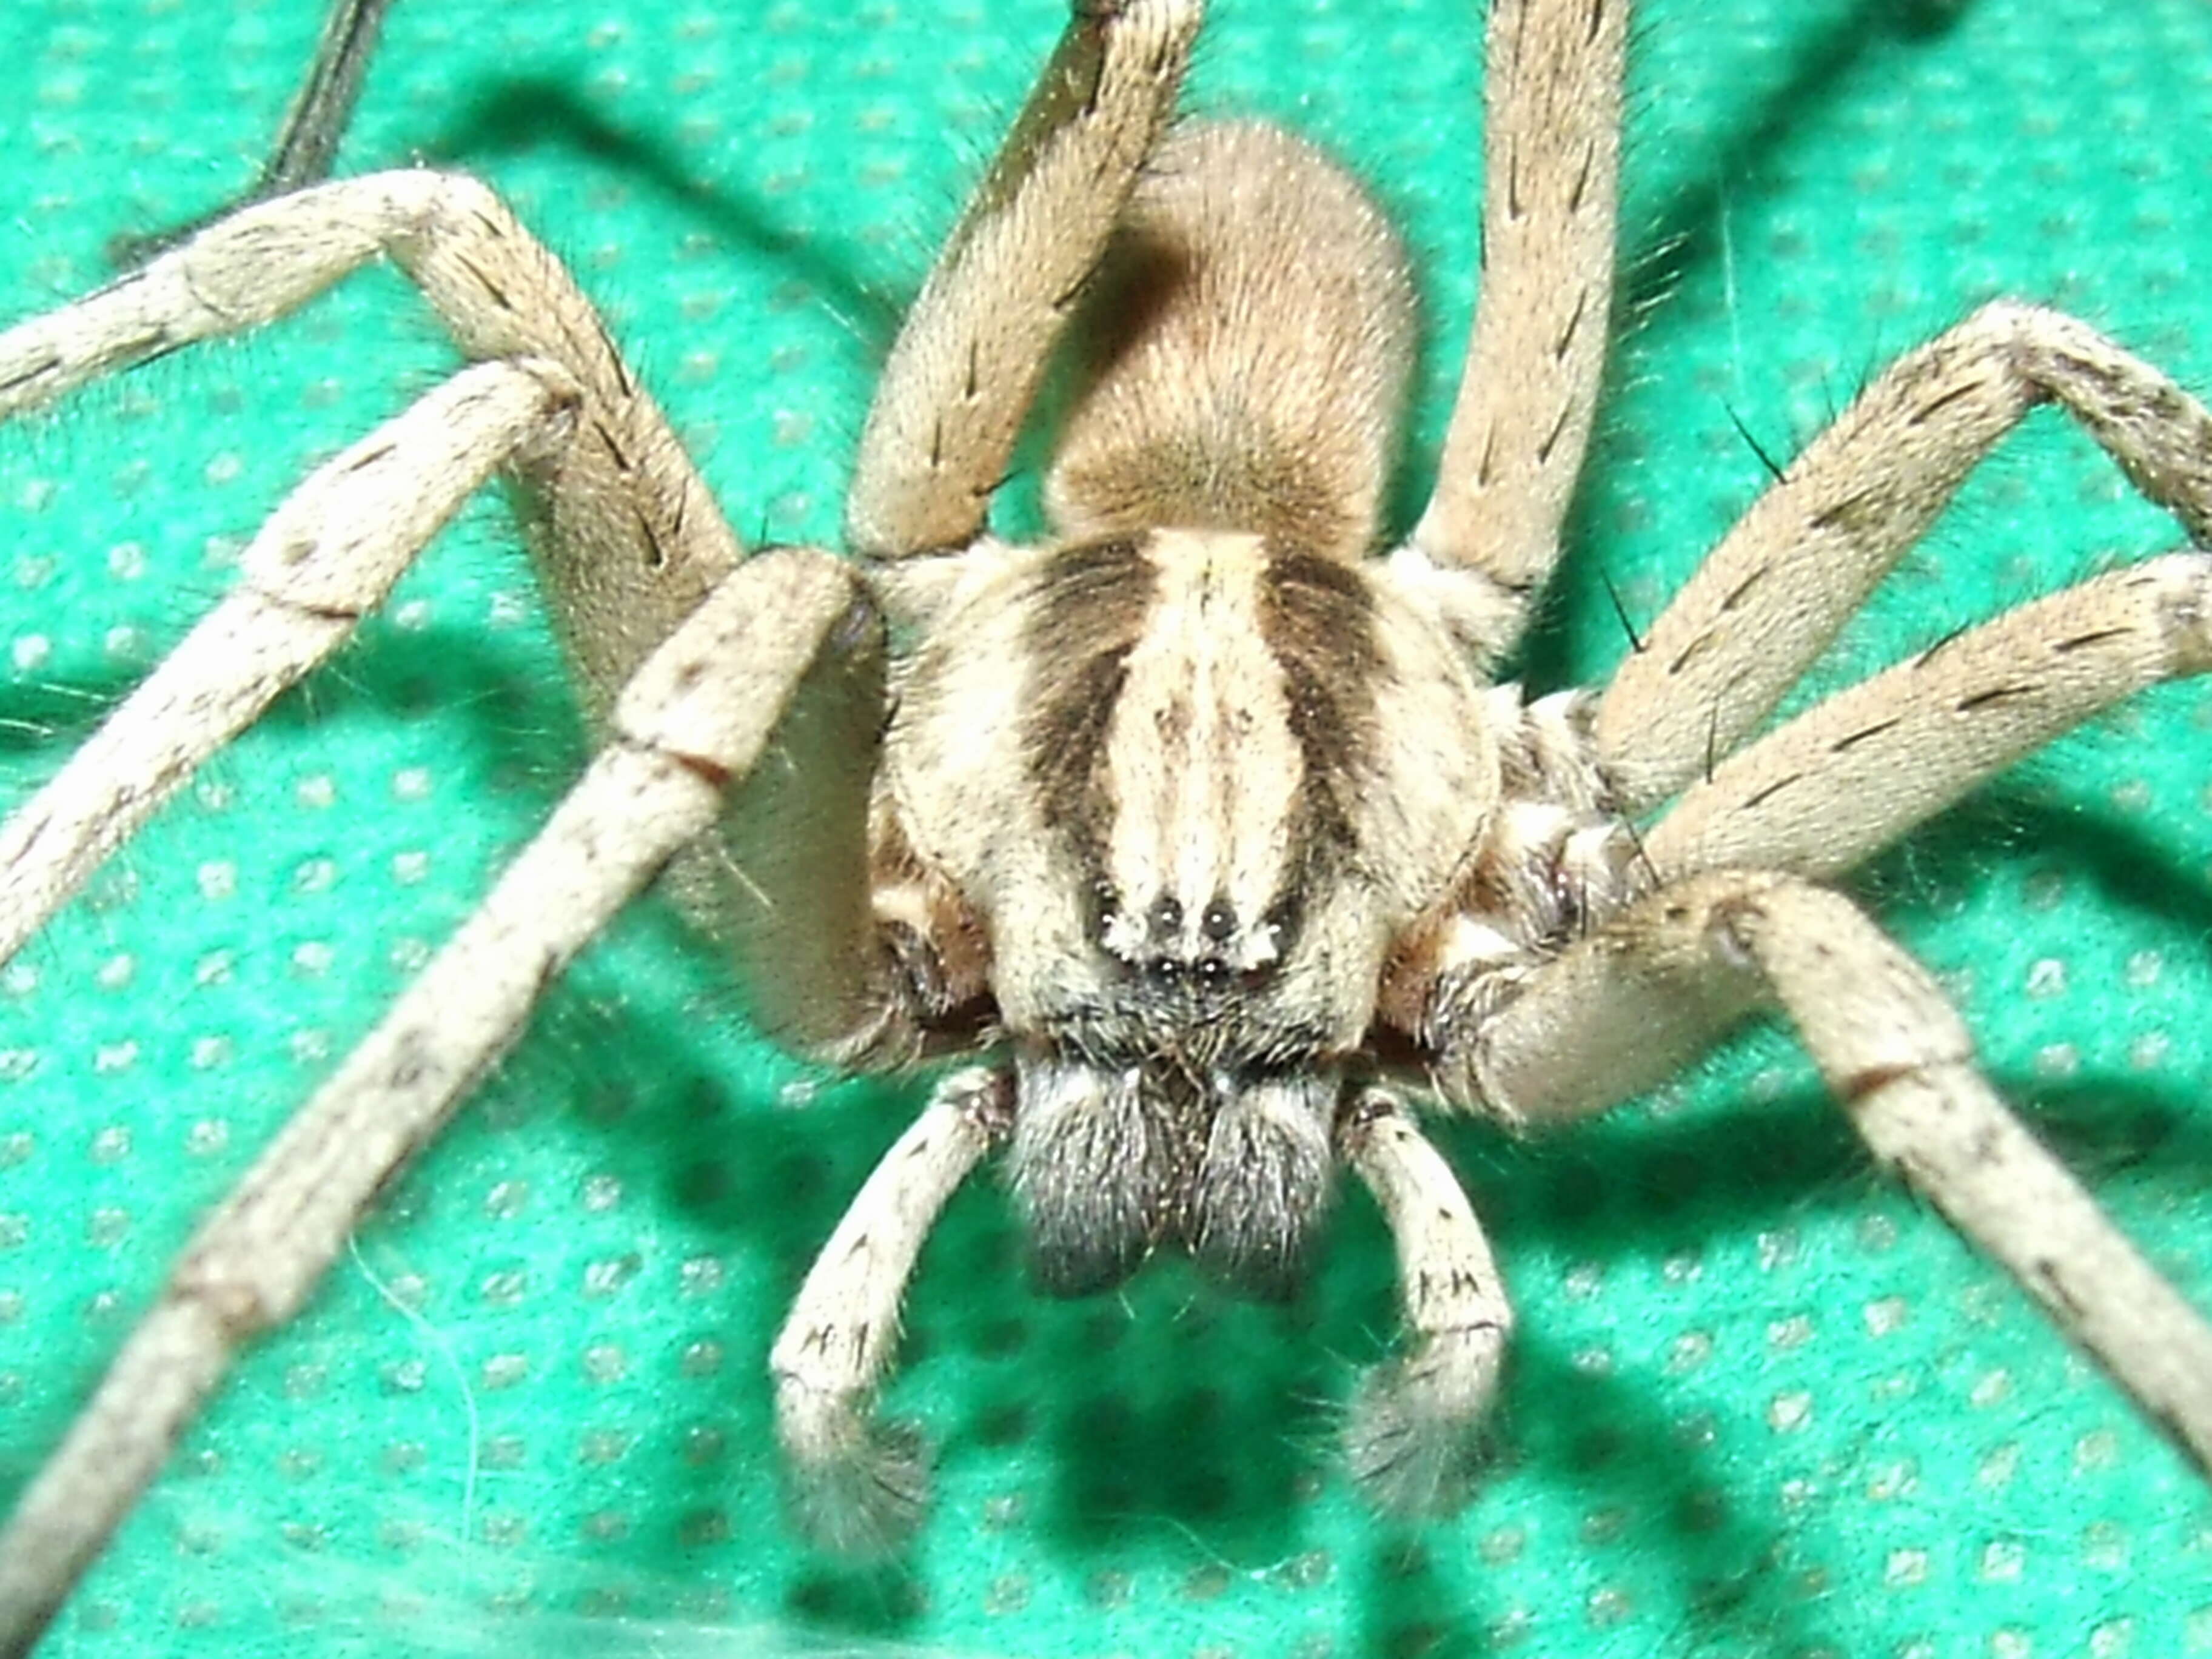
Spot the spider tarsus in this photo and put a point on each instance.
(852, 1487)
(1411, 1436)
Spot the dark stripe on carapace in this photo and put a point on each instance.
(1088, 611)
(1317, 616)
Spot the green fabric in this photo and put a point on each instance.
(1762, 1403)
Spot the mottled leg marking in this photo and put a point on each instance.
(856, 1486)
(696, 716)
(966, 365)
(326, 556)
(627, 537)
(1850, 776)
(1771, 595)
(1529, 392)
(1631, 1002)
(1411, 1436)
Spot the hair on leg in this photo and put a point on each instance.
(1410, 1439)
(1773, 593)
(856, 1486)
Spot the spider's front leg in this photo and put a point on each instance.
(1836, 784)
(1831, 786)
(1621, 1010)
(641, 568)
(1851, 774)
(626, 538)
(1528, 394)
(970, 356)
(325, 558)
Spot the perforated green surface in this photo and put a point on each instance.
(1764, 1404)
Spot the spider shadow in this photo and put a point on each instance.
(1172, 1414)
(526, 113)
(1685, 234)
(2110, 1121)
(1666, 1496)
(515, 695)
(638, 1063)
(2123, 864)
(1170, 1411)
(1652, 1492)
(513, 687)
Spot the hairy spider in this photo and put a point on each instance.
(1257, 1257)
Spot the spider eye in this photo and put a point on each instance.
(1101, 903)
(1282, 921)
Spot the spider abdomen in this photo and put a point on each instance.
(1245, 351)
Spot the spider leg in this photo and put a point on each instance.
(1634, 1000)
(1550, 168)
(1854, 773)
(1409, 1434)
(628, 539)
(1771, 595)
(856, 1487)
(690, 725)
(327, 555)
(967, 363)
(313, 126)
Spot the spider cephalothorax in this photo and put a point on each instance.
(1208, 795)
(1202, 771)
(1200, 829)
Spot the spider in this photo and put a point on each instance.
(1580, 896)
